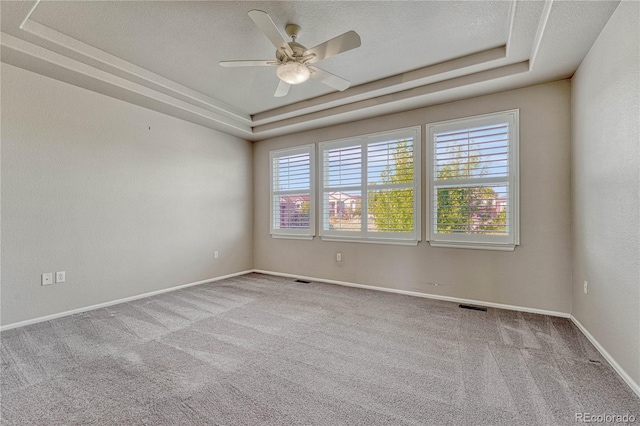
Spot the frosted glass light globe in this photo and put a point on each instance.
(293, 72)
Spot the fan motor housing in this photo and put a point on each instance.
(298, 50)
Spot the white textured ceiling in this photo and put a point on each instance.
(159, 51)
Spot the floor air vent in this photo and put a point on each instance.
(303, 281)
(473, 308)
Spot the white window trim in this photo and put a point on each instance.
(482, 242)
(362, 236)
(295, 234)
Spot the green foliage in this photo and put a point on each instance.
(467, 209)
(304, 207)
(460, 209)
(392, 209)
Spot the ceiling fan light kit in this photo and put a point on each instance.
(293, 59)
(293, 72)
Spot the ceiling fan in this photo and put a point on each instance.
(294, 61)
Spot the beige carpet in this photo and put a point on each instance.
(258, 349)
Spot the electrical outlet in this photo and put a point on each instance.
(586, 287)
(339, 257)
(60, 277)
(47, 278)
(215, 254)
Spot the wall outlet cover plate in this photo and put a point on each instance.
(47, 278)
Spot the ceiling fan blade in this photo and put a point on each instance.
(230, 64)
(282, 90)
(264, 22)
(342, 43)
(329, 79)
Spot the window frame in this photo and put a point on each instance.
(486, 242)
(298, 234)
(363, 236)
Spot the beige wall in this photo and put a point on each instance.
(88, 188)
(606, 189)
(536, 275)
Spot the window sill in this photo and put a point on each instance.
(292, 237)
(473, 246)
(370, 241)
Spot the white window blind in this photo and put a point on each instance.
(369, 188)
(474, 181)
(292, 193)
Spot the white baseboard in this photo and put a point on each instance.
(625, 376)
(425, 295)
(115, 302)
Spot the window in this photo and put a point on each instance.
(370, 188)
(292, 192)
(473, 182)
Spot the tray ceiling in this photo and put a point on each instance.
(164, 55)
